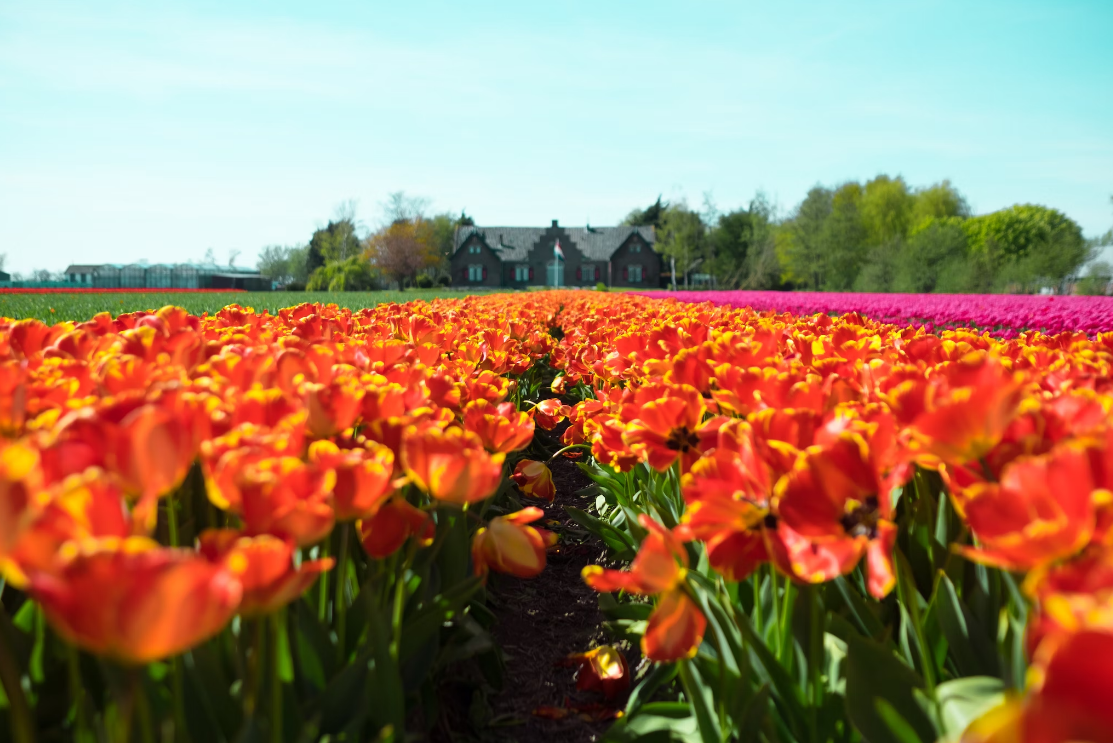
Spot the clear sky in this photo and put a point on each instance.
(155, 130)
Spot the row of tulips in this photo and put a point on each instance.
(839, 529)
(247, 525)
(1006, 315)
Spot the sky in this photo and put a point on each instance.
(147, 130)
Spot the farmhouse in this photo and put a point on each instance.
(555, 256)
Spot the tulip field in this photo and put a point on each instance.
(294, 524)
(1005, 315)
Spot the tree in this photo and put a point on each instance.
(927, 254)
(651, 216)
(404, 248)
(938, 201)
(763, 268)
(802, 251)
(283, 264)
(730, 240)
(682, 238)
(843, 241)
(232, 256)
(399, 207)
(352, 274)
(886, 208)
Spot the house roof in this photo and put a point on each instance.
(81, 268)
(515, 243)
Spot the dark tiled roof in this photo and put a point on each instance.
(81, 268)
(515, 243)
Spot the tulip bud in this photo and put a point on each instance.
(535, 479)
(509, 545)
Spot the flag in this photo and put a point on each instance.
(557, 252)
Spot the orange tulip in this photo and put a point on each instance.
(264, 566)
(669, 429)
(676, 626)
(154, 446)
(1070, 701)
(509, 545)
(548, 413)
(20, 479)
(332, 407)
(833, 510)
(500, 427)
(1042, 510)
(966, 410)
(286, 497)
(1071, 596)
(135, 602)
(451, 465)
(535, 479)
(397, 520)
(602, 669)
(86, 506)
(363, 476)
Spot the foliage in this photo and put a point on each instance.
(405, 248)
(652, 216)
(424, 281)
(284, 264)
(351, 275)
(682, 238)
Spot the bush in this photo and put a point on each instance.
(445, 280)
(295, 286)
(424, 282)
(600, 287)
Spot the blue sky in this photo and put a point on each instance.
(155, 130)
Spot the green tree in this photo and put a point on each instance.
(886, 208)
(843, 241)
(927, 253)
(652, 216)
(938, 201)
(682, 238)
(802, 248)
(730, 240)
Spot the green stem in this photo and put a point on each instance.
(276, 682)
(181, 731)
(815, 658)
(759, 616)
(172, 519)
(340, 602)
(776, 608)
(143, 707)
(558, 452)
(400, 600)
(255, 667)
(322, 596)
(77, 694)
(22, 722)
(786, 624)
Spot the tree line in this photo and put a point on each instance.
(409, 248)
(877, 236)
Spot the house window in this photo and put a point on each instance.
(588, 274)
(475, 272)
(521, 273)
(635, 247)
(474, 249)
(635, 274)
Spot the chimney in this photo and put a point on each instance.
(554, 223)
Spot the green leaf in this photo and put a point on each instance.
(701, 698)
(771, 671)
(619, 542)
(963, 700)
(872, 674)
(343, 698)
(972, 652)
(753, 716)
(661, 674)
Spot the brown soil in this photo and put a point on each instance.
(539, 622)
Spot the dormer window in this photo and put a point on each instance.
(635, 247)
(474, 249)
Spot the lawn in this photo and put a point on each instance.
(59, 307)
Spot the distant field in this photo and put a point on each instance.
(53, 308)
